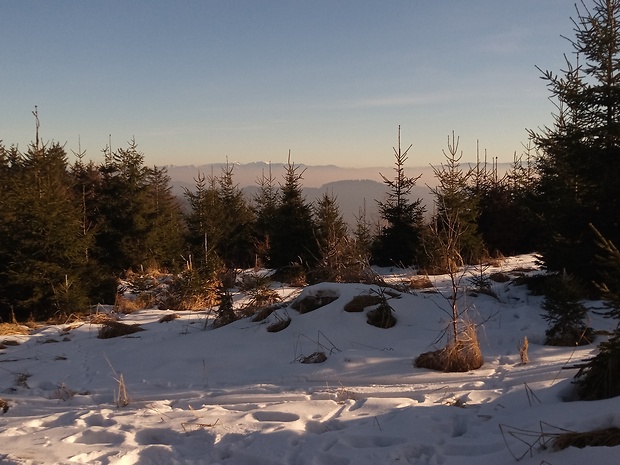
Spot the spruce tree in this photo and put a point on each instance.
(42, 246)
(293, 241)
(399, 240)
(456, 209)
(165, 239)
(599, 377)
(236, 245)
(202, 220)
(362, 236)
(265, 202)
(565, 312)
(507, 222)
(580, 152)
(136, 208)
(332, 239)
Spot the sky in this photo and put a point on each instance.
(197, 82)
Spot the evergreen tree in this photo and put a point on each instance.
(580, 153)
(599, 377)
(332, 238)
(564, 312)
(293, 240)
(203, 219)
(165, 240)
(137, 211)
(265, 203)
(236, 245)
(362, 235)
(456, 207)
(507, 223)
(399, 241)
(41, 241)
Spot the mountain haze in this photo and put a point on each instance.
(355, 188)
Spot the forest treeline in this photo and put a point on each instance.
(70, 230)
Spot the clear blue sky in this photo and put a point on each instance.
(198, 81)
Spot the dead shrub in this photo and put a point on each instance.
(360, 302)
(4, 405)
(608, 437)
(110, 329)
(460, 356)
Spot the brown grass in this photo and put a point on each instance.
(263, 313)
(110, 329)
(168, 317)
(420, 282)
(381, 317)
(140, 302)
(608, 437)
(360, 302)
(100, 318)
(9, 329)
(279, 325)
(523, 347)
(456, 357)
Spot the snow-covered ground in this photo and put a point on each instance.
(238, 394)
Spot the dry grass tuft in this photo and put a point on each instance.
(360, 302)
(420, 282)
(461, 356)
(140, 302)
(9, 329)
(523, 351)
(263, 313)
(4, 405)
(608, 437)
(100, 318)
(168, 317)
(111, 329)
(279, 325)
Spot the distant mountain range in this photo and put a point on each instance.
(354, 188)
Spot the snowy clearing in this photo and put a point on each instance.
(238, 394)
